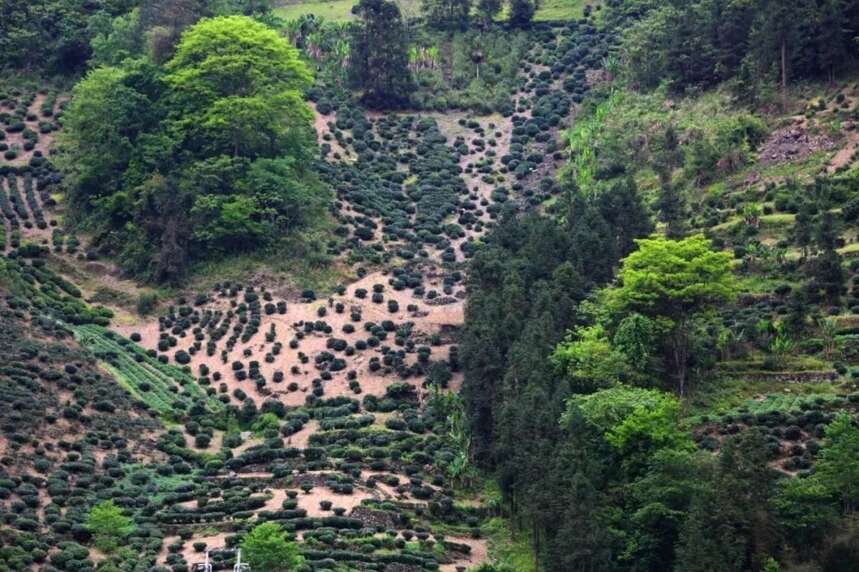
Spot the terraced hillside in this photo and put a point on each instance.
(448, 368)
(331, 413)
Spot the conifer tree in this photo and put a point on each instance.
(447, 14)
(487, 10)
(522, 11)
(379, 60)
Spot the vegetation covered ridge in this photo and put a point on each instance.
(429, 285)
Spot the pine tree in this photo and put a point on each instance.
(522, 11)
(379, 61)
(777, 38)
(622, 208)
(731, 525)
(831, 37)
(827, 276)
(667, 158)
(671, 210)
(487, 10)
(732, 21)
(803, 230)
(447, 14)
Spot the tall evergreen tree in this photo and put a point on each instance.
(163, 21)
(379, 60)
(447, 14)
(777, 39)
(522, 11)
(826, 271)
(671, 210)
(831, 37)
(487, 10)
(731, 524)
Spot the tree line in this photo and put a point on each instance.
(755, 45)
(573, 382)
(56, 36)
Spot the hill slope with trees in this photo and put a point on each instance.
(429, 285)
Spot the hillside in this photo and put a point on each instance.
(501, 289)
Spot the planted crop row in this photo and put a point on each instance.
(164, 388)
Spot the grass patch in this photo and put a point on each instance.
(551, 10)
(334, 10)
(721, 397)
(849, 250)
(806, 168)
(341, 10)
(760, 284)
(779, 220)
(507, 548)
(301, 261)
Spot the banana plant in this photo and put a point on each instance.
(829, 335)
(460, 470)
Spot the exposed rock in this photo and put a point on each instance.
(793, 143)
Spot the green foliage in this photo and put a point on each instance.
(265, 547)
(99, 148)
(673, 283)
(149, 380)
(583, 143)
(805, 506)
(118, 40)
(265, 422)
(670, 279)
(487, 10)
(379, 58)
(589, 359)
(208, 154)
(632, 419)
(522, 11)
(53, 35)
(447, 14)
(108, 525)
(704, 43)
(838, 468)
(238, 84)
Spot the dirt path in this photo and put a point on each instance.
(478, 555)
(845, 156)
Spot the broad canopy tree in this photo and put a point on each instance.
(209, 153)
(267, 548)
(663, 291)
(673, 282)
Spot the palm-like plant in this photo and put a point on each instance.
(829, 335)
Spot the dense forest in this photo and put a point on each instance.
(429, 285)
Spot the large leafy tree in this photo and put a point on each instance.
(266, 548)
(110, 109)
(636, 422)
(237, 88)
(673, 282)
(108, 525)
(379, 60)
(208, 153)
